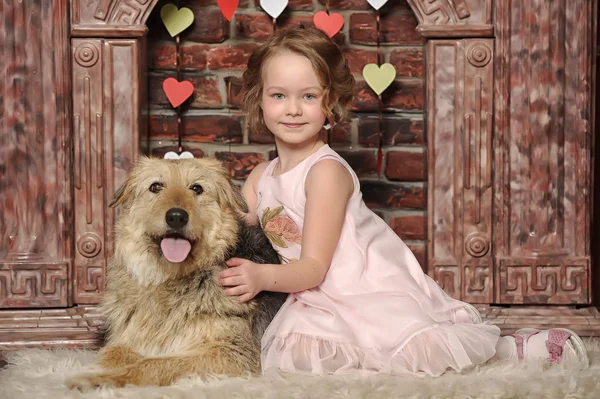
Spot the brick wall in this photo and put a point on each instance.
(213, 53)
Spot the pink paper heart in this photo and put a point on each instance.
(328, 23)
(177, 92)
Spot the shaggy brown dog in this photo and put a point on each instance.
(166, 316)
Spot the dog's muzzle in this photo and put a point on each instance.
(175, 247)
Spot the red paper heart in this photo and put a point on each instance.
(177, 92)
(328, 23)
(228, 7)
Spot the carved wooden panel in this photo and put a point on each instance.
(460, 90)
(542, 151)
(35, 183)
(110, 18)
(453, 18)
(107, 112)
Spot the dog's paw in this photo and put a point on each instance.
(91, 381)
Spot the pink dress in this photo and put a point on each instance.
(375, 310)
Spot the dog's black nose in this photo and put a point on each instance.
(177, 218)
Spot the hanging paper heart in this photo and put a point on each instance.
(377, 4)
(379, 78)
(183, 155)
(177, 92)
(328, 23)
(176, 20)
(273, 7)
(228, 7)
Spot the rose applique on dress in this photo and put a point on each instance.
(280, 228)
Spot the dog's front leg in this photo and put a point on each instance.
(211, 358)
(118, 356)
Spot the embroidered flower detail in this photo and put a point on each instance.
(280, 228)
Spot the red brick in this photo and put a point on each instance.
(295, 22)
(420, 252)
(295, 5)
(410, 227)
(156, 95)
(253, 26)
(396, 131)
(364, 163)
(235, 91)
(160, 151)
(408, 62)
(347, 4)
(163, 126)
(239, 164)
(406, 166)
(400, 95)
(358, 58)
(395, 28)
(206, 92)
(363, 5)
(405, 95)
(162, 55)
(210, 26)
(340, 134)
(212, 128)
(230, 57)
(378, 194)
(193, 56)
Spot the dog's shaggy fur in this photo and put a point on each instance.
(168, 319)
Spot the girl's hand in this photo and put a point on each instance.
(244, 278)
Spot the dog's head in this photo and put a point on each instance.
(177, 216)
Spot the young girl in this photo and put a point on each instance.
(358, 299)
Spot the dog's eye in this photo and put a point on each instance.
(197, 189)
(156, 187)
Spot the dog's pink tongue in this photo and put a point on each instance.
(175, 249)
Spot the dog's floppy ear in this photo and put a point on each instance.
(231, 194)
(121, 195)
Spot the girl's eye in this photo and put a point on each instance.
(278, 96)
(310, 96)
(197, 189)
(156, 187)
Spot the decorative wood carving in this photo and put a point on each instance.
(107, 113)
(542, 151)
(35, 184)
(460, 94)
(110, 18)
(453, 18)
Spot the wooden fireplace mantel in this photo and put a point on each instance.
(108, 117)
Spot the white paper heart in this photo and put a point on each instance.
(274, 7)
(377, 4)
(183, 155)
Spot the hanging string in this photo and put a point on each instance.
(274, 24)
(178, 109)
(380, 105)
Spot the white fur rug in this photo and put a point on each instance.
(40, 374)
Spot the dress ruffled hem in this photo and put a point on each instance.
(431, 352)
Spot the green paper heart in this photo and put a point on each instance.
(379, 78)
(176, 20)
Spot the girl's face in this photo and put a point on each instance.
(291, 99)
